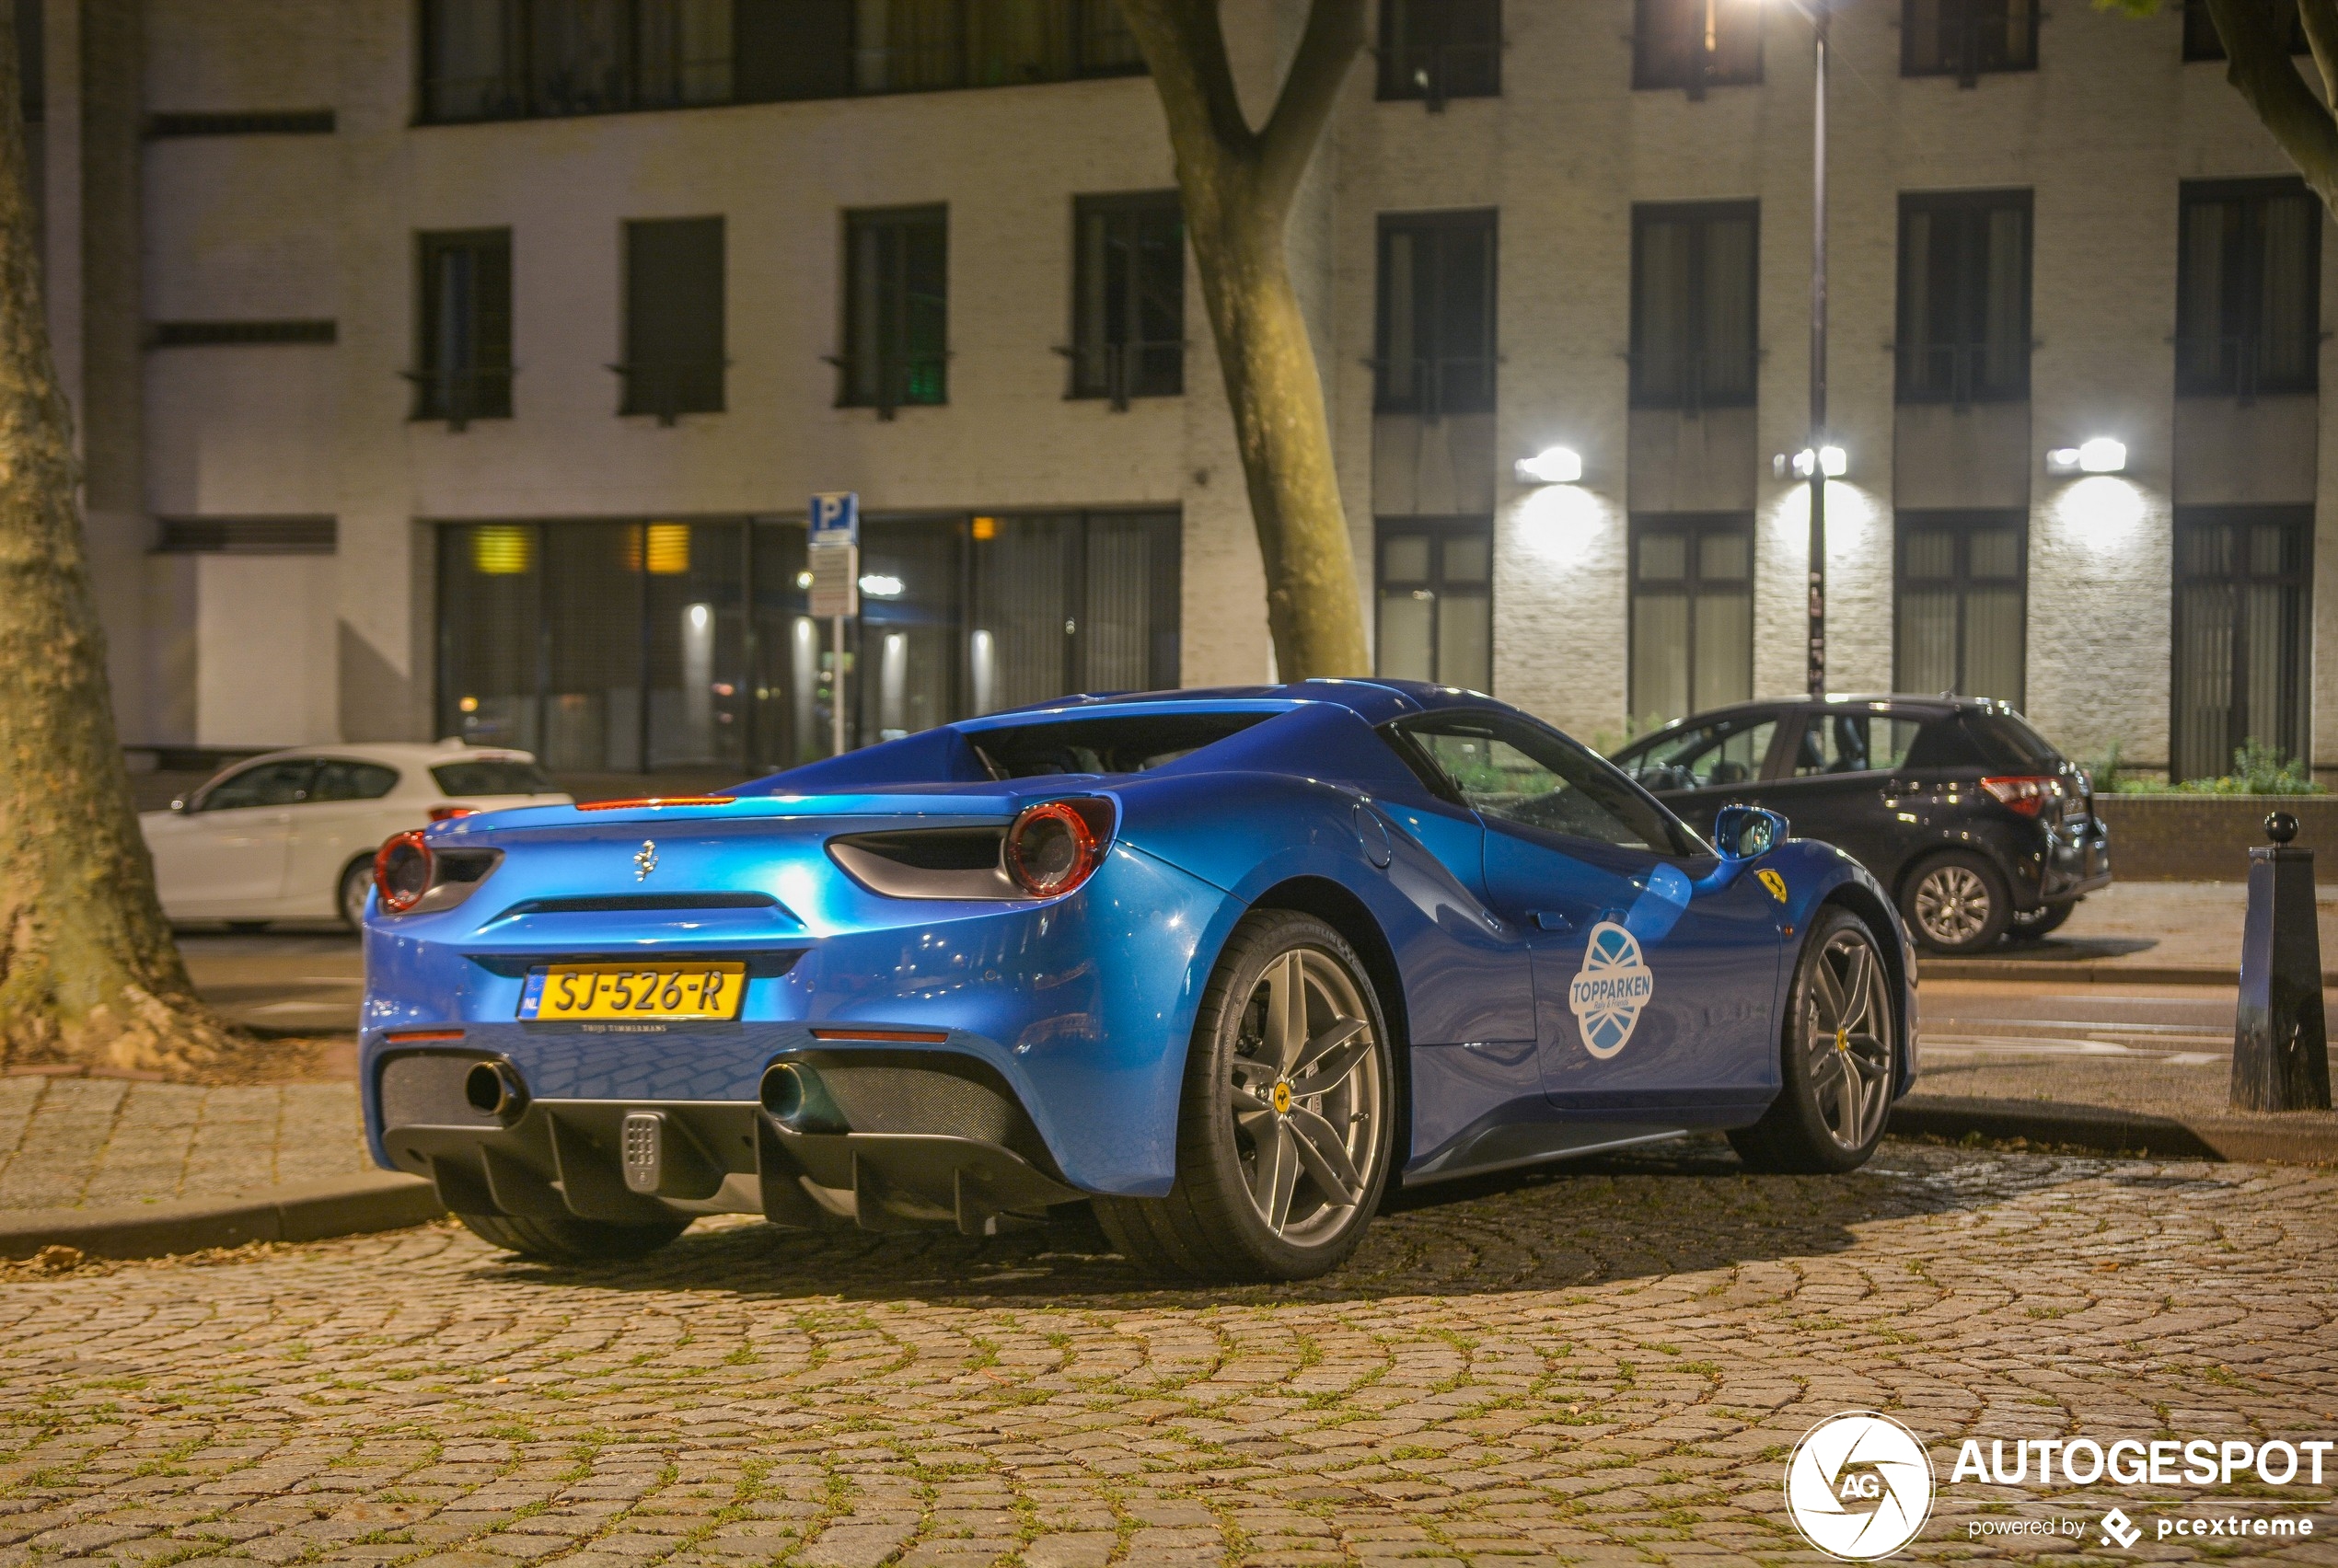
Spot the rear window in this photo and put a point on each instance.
(1130, 744)
(495, 777)
(2008, 741)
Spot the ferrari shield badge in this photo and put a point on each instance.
(1610, 989)
(1774, 883)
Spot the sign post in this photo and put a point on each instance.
(834, 556)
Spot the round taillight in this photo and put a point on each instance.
(401, 873)
(1051, 849)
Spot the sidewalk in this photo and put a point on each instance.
(2167, 933)
(69, 1143)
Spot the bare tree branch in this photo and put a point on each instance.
(1335, 33)
(2262, 72)
(1185, 48)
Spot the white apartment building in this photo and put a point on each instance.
(464, 366)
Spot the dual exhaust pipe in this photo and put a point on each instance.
(790, 1095)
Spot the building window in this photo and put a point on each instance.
(1129, 297)
(1436, 314)
(463, 362)
(1964, 38)
(1692, 614)
(2248, 288)
(1435, 579)
(897, 308)
(674, 358)
(522, 59)
(1437, 50)
(2242, 627)
(1693, 310)
(1695, 44)
(1964, 297)
(1960, 605)
(620, 646)
(1071, 601)
(2201, 41)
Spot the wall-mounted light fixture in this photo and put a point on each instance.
(2099, 456)
(1551, 465)
(1836, 461)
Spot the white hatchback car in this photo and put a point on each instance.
(291, 835)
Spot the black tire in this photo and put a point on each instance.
(2039, 923)
(564, 1239)
(1245, 1119)
(1956, 902)
(1841, 1033)
(349, 893)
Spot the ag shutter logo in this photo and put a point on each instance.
(1610, 989)
(2119, 1531)
(1859, 1486)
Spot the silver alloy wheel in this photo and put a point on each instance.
(1304, 1092)
(1846, 1030)
(1952, 904)
(357, 881)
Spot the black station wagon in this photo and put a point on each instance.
(1980, 829)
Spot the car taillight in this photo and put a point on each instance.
(448, 814)
(402, 871)
(2024, 795)
(1057, 844)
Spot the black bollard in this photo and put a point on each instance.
(2280, 1052)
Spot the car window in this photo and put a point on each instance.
(1853, 742)
(351, 781)
(1517, 773)
(270, 784)
(2012, 743)
(1728, 751)
(495, 776)
(1945, 742)
(1120, 744)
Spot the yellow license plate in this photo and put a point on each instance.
(590, 991)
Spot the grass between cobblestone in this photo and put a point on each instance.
(1605, 1365)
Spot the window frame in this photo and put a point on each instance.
(1428, 401)
(2300, 521)
(1972, 208)
(1437, 529)
(668, 394)
(1703, 75)
(489, 396)
(1966, 69)
(1119, 384)
(1961, 581)
(1695, 526)
(1393, 85)
(1693, 398)
(892, 389)
(2245, 382)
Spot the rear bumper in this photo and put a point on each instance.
(885, 1141)
(2077, 862)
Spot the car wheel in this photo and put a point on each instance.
(356, 882)
(1841, 1052)
(1287, 1121)
(1956, 902)
(564, 1239)
(2030, 928)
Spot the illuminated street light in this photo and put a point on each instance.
(2100, 455)
(1551, 465)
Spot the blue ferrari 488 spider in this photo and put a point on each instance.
(1220, 964)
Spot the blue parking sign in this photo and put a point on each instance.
(836, 518)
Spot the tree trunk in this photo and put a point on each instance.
(2262, 71)
(1237, 185)
(88, 968)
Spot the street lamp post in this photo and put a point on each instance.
(1817, 650)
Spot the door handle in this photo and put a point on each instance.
(1550, 921)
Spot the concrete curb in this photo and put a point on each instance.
(300, 1211)
(2275, 1139)
(2087, 972)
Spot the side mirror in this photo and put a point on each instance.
(1747, 833)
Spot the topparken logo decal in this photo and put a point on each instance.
(1858, 1486)
(1610, 989)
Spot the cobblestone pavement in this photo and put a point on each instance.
(1608, 1366)
(75, 1142)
